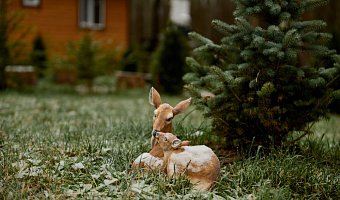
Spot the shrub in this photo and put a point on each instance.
(62, 71)
(260, 93)
(135, 59)
(168, 62)
(38, 55)
(86, 59)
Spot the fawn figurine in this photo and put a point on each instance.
(199, 163)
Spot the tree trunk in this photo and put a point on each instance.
(4, 51)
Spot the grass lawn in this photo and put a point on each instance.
(61, 146)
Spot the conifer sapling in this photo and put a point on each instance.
(260, 92)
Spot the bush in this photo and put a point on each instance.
(62, 70)
(168, 62)
(135, 59)
(260, 93)
(86, 59)
(38, 55)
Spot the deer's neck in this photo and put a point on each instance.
(167, 129)
(153, 142)
(167, 154)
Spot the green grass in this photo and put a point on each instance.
(61, 146)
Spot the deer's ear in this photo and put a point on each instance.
(154, 98)
(186, 143)
(181, 106)
(176, 143)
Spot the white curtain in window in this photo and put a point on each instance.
(92, 14)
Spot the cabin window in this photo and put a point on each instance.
(92, 14)
(31, 3)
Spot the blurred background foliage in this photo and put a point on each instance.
(85, 59)
(39, 55)
(168, 64)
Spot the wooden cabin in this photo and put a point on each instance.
(61, 21)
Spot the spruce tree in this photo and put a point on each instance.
(260, 92)
(82, 56)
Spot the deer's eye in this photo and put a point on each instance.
(165, 138)
(169, 119)
(154, 116)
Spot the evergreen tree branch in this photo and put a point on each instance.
(321, 64)
(315, 25)
(333, 80)
(215, 23)
(199, 38)
(232, 91)
(289, 39)
(193, 92)
(240, 1)
(315, 49)
(303, 135)
(220, 119)
(337, 58)
(323, 101)
(300, 118)
(240, 21)
(226, 57)
(314, 4)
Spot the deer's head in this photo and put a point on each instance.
(164, 113)
(167, 140)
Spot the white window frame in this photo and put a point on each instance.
(86, 7)
(31, 3)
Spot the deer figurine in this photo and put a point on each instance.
(199, 162)
(162, 121)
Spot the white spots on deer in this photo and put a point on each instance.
(196, 158)
(149, 160)
(169, 117)
(155, 114)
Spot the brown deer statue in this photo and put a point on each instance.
(162, 122)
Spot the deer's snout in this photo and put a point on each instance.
(155, 133)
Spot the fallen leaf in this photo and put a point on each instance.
(106, 150)
(78, 166)
(95, 176)
(108, 182)
(34, 162)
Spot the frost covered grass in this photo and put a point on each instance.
(61, 146)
